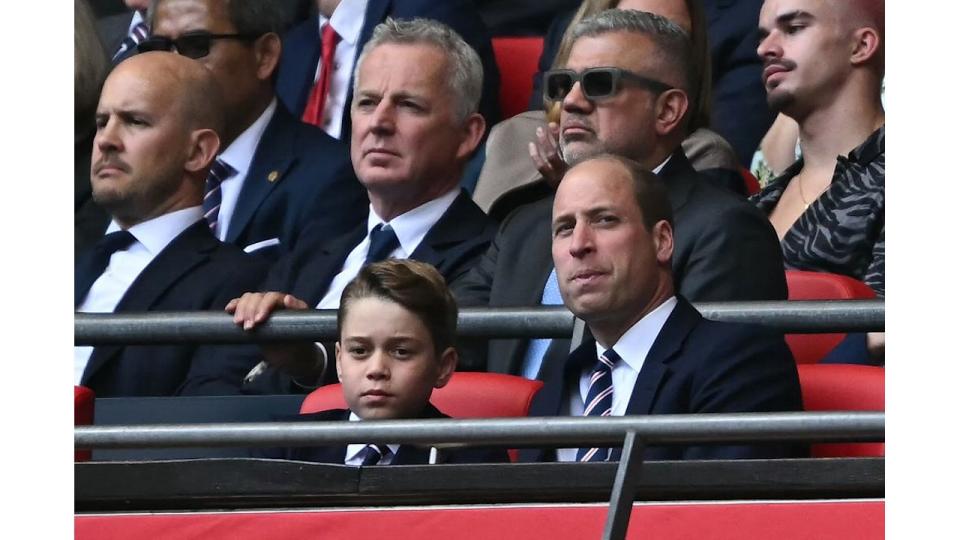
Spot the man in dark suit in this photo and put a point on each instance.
(121, 32)
(726, 250)
(157, 124)
(415, 125)
(353, 22)
(274, 174)
(651, 351)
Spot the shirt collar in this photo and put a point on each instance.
(636, 342)
(412, 226)
(662, 164)
(156, 233)
(353, 450)
(871, 148)
(347, 20)
(135, 20)
(239, 154)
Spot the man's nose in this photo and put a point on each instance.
(576, 101)
(107, 137)
(581, 240)
(769, 47)
(383, 119)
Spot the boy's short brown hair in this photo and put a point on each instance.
(415, 285)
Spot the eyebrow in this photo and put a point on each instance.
(784, 19)
(592, 212)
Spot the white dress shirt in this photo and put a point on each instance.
(347, 21)
(239, 155)
(354, 451)
(632, 347)
(410, 227)
(126, 265)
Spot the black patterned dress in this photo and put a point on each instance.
(842, 232)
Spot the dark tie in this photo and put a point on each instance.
(133, 39)
(313, 113)
(599, 400)
(373, 454)
(212, 197)
(382, 243)
(95, 262)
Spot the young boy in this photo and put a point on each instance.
(397, 323)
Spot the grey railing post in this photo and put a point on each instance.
(624, 487)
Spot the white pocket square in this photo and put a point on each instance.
(262, 244)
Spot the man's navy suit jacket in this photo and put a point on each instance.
(301, 51)
(298, 175)
(194, 272)
(724, 250)
(452, 245)
(406, 454)
(694, 366)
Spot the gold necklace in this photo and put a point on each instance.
(800, 188)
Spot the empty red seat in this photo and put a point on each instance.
(83, 399)
(517, 59)
(802, 285)
(467, 395)
(843, 387)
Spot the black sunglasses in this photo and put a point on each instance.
(595, 83)
(192, 44)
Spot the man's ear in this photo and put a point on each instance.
(267, 49)
(204, 145)
(663, 241)
(865, 45)
(448, 364)
(336, 349)
(473, 128)
(671, 108)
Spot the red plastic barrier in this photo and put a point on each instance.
(788, 520)
(843, 387)
(83, 398)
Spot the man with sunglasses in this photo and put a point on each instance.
(624, 91)
(274, 174)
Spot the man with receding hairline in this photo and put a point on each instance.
(649, 350)
(158, 123)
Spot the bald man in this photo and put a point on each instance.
(158, 124)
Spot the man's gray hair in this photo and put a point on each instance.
(464, 70)
(673, 43)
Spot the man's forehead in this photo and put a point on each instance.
(595, 185)
(180, 16)
(410, 69)
(774, 11)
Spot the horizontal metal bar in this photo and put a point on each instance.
(319, 325)
(514, 432)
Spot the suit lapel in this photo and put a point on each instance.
(313, 280)
(191, 248)
(454, 227)
(680, 178)
(271, 161)
(668, 344)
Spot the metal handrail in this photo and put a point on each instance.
(559, 431)
(537, 322)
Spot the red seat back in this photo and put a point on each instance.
(517, 59)
(802, 285)
(83, 399)
(750, 181)
(467, 395)
(843, 387)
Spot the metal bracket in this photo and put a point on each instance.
(624, 488)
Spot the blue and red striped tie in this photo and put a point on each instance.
(599, 401)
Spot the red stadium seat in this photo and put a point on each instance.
(83, 399)
(801, 285)
(843, 387)
(750, 181)
(467, 395)
(517, 59)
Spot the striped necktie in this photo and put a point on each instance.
(599, 401)
(373, 454)
(219, 172)
(129, 43)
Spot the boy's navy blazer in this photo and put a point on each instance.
(694, 366)
(406, 454)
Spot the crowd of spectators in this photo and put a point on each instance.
(255, 156)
